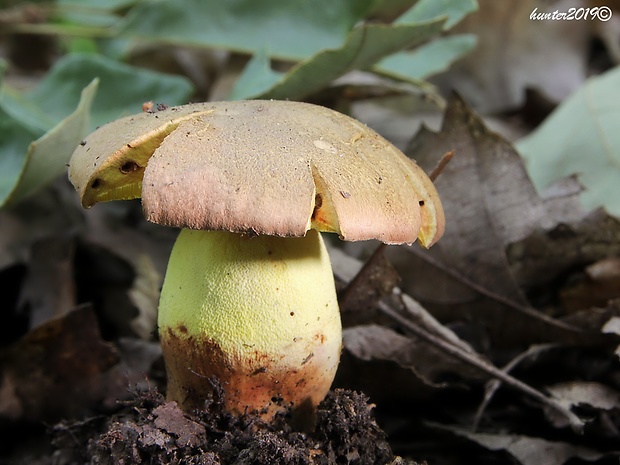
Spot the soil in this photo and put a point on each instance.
(149, 430)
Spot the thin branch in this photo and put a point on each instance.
(445, 159)
(470, 359)
(493, 385)
(526, 310)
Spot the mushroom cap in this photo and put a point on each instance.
(263, 167)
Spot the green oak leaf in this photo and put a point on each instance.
(581, 138)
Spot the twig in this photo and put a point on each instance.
(493, 385)
(447, 347)
(445, 159)
(526, 310)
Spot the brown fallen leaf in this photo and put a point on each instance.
(144, 294)
(379, 343)
(429, 350)
(489, 203)
(529, 450)
(598, 284)
(582, 393)
(49, 288)
(543, 261)
(374, 280)
(56, 370)
(515, 52)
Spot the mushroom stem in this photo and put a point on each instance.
(259, 313)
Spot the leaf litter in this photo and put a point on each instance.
(477, 296)
(482, 290)
(378, 347)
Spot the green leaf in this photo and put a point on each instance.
(364, 46)
(40, 129)
(581, 137)
(3, 66)
(14, 140)
(95, 5)
(26, 171)
(428, 59)
(28, 114)
(424, 10)
(122, 88)
(255, 78)
(48, 156)
(292, 29)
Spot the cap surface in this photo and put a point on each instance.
(267, 167)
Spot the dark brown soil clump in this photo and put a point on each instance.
(150, 430)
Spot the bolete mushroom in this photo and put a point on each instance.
(248, 295)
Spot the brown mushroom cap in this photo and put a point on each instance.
(266, 167)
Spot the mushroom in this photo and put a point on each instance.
(248, 295)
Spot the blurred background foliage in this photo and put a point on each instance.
(106, 58)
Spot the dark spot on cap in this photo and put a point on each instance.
(421, 203)
(96, 184)
(129, 166)
(183, 329)
(318, 203)
(83, 143)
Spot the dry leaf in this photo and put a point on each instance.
(375, 280)
(580, 393)
(56, 370)
(594, 394)
(144, 294)
(49, 288)
(529, 450)
(372, 342)
(599, 284)
(515, 52)
(489, 203)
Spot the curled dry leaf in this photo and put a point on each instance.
(547, 255)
